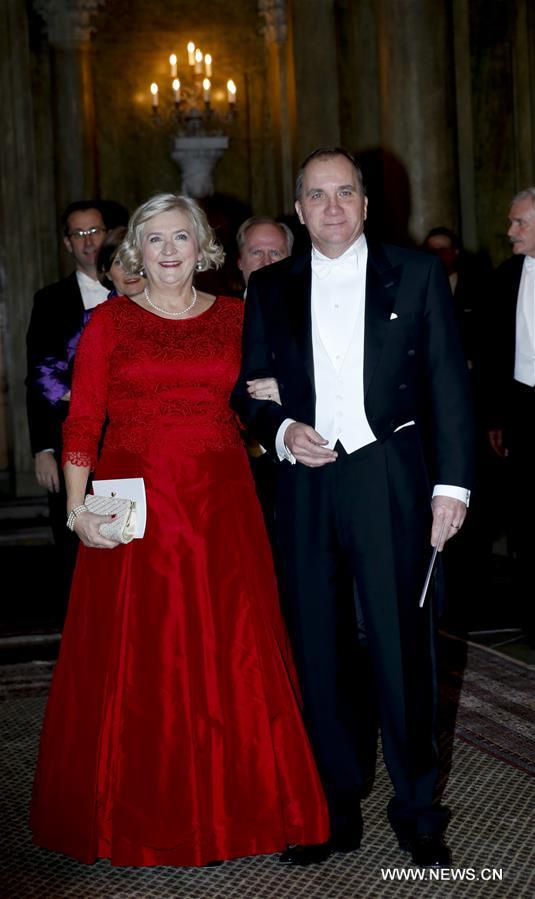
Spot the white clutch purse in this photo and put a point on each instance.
(123, 528)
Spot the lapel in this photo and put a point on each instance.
(73, 304)
(382, 282)
(517, 264)
(298, 304)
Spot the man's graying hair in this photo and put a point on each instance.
(527, 194)
(327, 153)
(264, 220)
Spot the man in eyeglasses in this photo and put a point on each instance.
(60, 312)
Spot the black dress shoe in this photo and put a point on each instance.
(345, 842)
(405, 843)
(429, 850)
(319, 852)
(406, 834)
(314, 854)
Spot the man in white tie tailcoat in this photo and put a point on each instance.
(508, 382)
(363, 343)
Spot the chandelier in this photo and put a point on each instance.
(187, 103)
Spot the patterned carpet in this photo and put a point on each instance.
(496, 711)
(489, 791)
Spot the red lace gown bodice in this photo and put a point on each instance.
(154, 376)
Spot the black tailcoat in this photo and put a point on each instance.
(510, 406)
(364, 519)
(57, 320)
(413, 363)
(57, 317)
(499, 345)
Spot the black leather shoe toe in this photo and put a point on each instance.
(405, 845)
(345, 843)
(406, 836)
(305, 855)
(430, 851)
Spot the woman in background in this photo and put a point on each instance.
(110, 271)
(172, 734)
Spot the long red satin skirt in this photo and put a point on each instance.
(172, 734)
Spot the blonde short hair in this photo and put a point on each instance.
(211, 252)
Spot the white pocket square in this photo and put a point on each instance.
(392, 316)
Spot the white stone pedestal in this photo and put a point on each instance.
(197, 157)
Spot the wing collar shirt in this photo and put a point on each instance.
(525, 325)
(93, 292)
(338, 300)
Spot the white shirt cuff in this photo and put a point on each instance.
(280, 447)
(47, 450)
(455, 492)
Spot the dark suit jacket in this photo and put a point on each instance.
(57, 318)
(498, 363)
(413, 363)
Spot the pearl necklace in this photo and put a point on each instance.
(167, 311)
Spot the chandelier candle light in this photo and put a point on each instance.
(198, 130)
(192, 92)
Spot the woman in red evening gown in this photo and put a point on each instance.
(172, 734)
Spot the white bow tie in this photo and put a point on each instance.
(322, 266)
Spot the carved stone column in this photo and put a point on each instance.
(417, 108)
(69, 28)
(20, 259)
(316, 73)
(274, 24)
(523, 93)
(465, 123)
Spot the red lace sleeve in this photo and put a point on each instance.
(83, 428)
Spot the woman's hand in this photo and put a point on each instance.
(264, 389)
(87, 525)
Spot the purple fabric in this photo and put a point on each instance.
(53, 375)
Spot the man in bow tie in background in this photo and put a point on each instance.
(509, 385)
(60, 312)
(363, 343)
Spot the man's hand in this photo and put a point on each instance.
(450, 512)
(496, 441)
(307, 445)
(46, 471)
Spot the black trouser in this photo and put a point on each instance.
(521, 445)
(264, 472)
(365, 518)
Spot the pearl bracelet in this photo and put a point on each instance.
(73, 515)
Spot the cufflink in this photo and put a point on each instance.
(392, 316)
